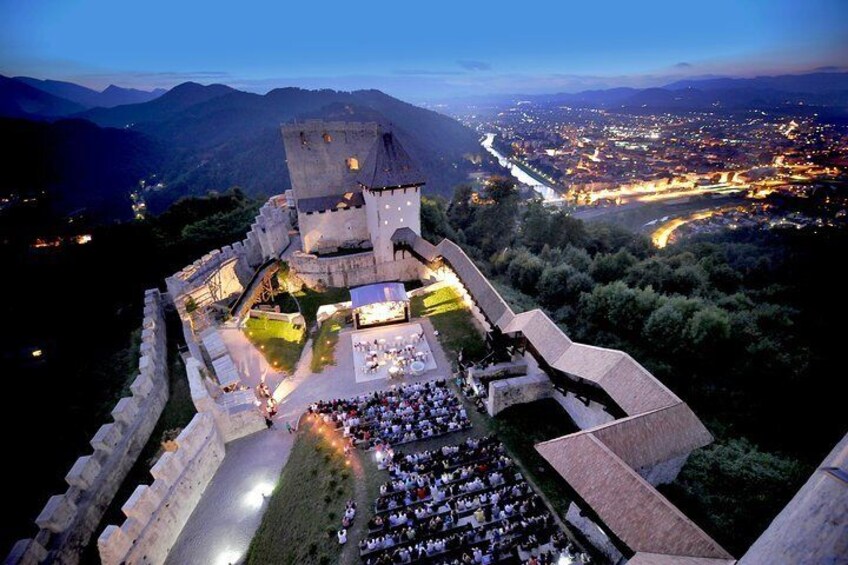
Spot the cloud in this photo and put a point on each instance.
(683, 65)
(471, 65)
(425, 72)
(829, 69)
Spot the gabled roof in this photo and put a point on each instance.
(643, 558)
(332, 202)
(813, 527)
(488, 299)
(647, 439)
(389, 165)
(547, 338)
(630, 385)
(630, 507)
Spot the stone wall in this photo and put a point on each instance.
(68, 521)
(317, 154)
(223, 272)
(156, 514)
(594, 533)
(518, 390)
(295, 318)
(233, 420)
(585, 414)
(351, 270)
(665, 472)
(331, 228)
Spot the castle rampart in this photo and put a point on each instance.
(68, 520)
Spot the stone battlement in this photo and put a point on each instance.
(68, 520)
(156, 513)
(205, 278)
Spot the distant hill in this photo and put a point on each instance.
(221, 137)
(199, 138)
(78, 163)
(90, 98)
(826, 90)
(810, 83)
(19, 100)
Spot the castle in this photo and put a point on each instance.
(353, 187)
(356, 199)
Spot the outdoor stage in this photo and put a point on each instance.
(390, 352)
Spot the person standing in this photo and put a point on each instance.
(289, 427)
(269, 422)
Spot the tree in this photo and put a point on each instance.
(735, 489)
(708, 329)
(535, 227)
(607, 268)
(434, 220)
(553, 284)
(501, 190)
(566, 230)
(460, 212)
(524, 271)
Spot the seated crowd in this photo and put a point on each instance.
(460, 504)
(397, 415)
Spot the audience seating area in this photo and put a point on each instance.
(398, 415)
(461, 504)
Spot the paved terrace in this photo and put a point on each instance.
(221, 527)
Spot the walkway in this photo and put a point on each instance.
(221, 527)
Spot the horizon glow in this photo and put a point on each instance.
(432, 50)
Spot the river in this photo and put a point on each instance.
(520, 174)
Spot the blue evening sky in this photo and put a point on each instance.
(417, 50)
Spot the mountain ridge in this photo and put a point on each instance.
(109, 97)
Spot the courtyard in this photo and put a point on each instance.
(279, 497)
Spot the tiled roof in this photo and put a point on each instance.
(389, 165)
(547, 338)
(813, 527)
(629, 384)
(627, 504)
(332, 202)
(647, 439)
(659, 559)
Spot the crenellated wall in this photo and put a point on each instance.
(352, 270)
(68, 520)
(156, 514)
(233, 419)
(224, 272)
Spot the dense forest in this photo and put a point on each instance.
(744, 326)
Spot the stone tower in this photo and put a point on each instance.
(391, 185)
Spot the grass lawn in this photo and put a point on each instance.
(310, 300)
(324, 343)
(453, 321)
(306, 508)
(280, 342)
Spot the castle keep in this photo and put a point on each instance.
(353, 186)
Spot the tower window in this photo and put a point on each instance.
(387, 206)
(352, 163)
(409, 203)
(327, 137)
